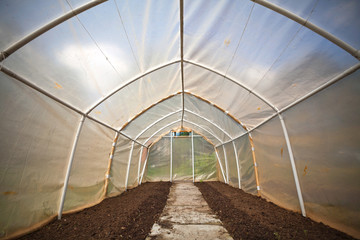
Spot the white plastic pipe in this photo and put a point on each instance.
(221, 167)
(226, 164)
(28, 38)
(67, 176)
(353, 51)
(128, 166)
(171, 154)
(293, 166)
(139, 166)
(237, 164)
(192, 156)
(146, 160)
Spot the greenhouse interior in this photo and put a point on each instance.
(99, 97)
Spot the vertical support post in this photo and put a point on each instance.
(192, 155)
(226, 165)
(71, 159)
(171, 154)
(293, 166)
(255, 164)
(139, 166)
(146, 160)
(107, 175)
(237, 163)
(221, 167)
(128, 166)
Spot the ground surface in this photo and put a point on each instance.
(128, 216)
(187, 216)
(249, 217)
(132, 215)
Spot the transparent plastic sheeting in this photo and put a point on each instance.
(80, 65)
(134, 164)
(156, 128)
(232, 168)
(153, 114)
(37, 137)
(158, 166)
(209, 136)
(274, 168)
(324, 133)
(134, 98)
(340, 18)
(221, 155)
(119, 166)
(246, 164)
(174, 126)
(213, 114)
(226, 94)
(252, 49)
(88, 57)
(205, 164)
(205, 125)
(19, 18)
(196, 110)
(90, 164)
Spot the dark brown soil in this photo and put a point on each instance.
(128, 216)
(250, 217)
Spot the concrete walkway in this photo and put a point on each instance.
(187, 216)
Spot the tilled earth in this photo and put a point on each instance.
(250, 217)
(128, 216)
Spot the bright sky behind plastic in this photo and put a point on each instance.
(81, 61)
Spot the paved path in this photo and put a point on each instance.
(187, 216)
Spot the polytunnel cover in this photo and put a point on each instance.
(91, 89)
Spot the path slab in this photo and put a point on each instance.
(187, 216)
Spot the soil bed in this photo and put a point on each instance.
(250, 217)
(128, 216)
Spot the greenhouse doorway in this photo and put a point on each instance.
(182, 156)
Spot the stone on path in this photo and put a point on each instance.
(187, 216)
